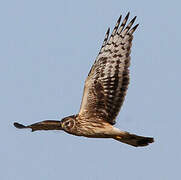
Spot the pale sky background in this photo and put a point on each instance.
(47, 49)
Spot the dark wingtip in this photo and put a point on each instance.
(19, 126)
(133, 20)
(119, 18)
(133, 29)
(108, 30)
(135, 26)
(127, 15)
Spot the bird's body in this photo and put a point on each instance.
(104, 92)
(90, 128)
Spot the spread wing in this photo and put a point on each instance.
(107, 82)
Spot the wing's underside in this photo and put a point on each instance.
(107, 82)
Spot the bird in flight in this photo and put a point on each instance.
(104, 92)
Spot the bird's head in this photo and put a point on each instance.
(68, 123)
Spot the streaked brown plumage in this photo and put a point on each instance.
(104, 92)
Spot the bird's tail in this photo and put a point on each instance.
(134, 140)
(43, 125)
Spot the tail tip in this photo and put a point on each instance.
(145, 141)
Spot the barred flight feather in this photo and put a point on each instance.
(107, 82)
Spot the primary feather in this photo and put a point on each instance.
(107, 82)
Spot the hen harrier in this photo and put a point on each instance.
(104, 92)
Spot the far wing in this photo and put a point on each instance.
(107, 82)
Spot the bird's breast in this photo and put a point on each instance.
(92, 129)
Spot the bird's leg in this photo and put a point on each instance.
(43, 125)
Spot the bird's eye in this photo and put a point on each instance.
(68, 123)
